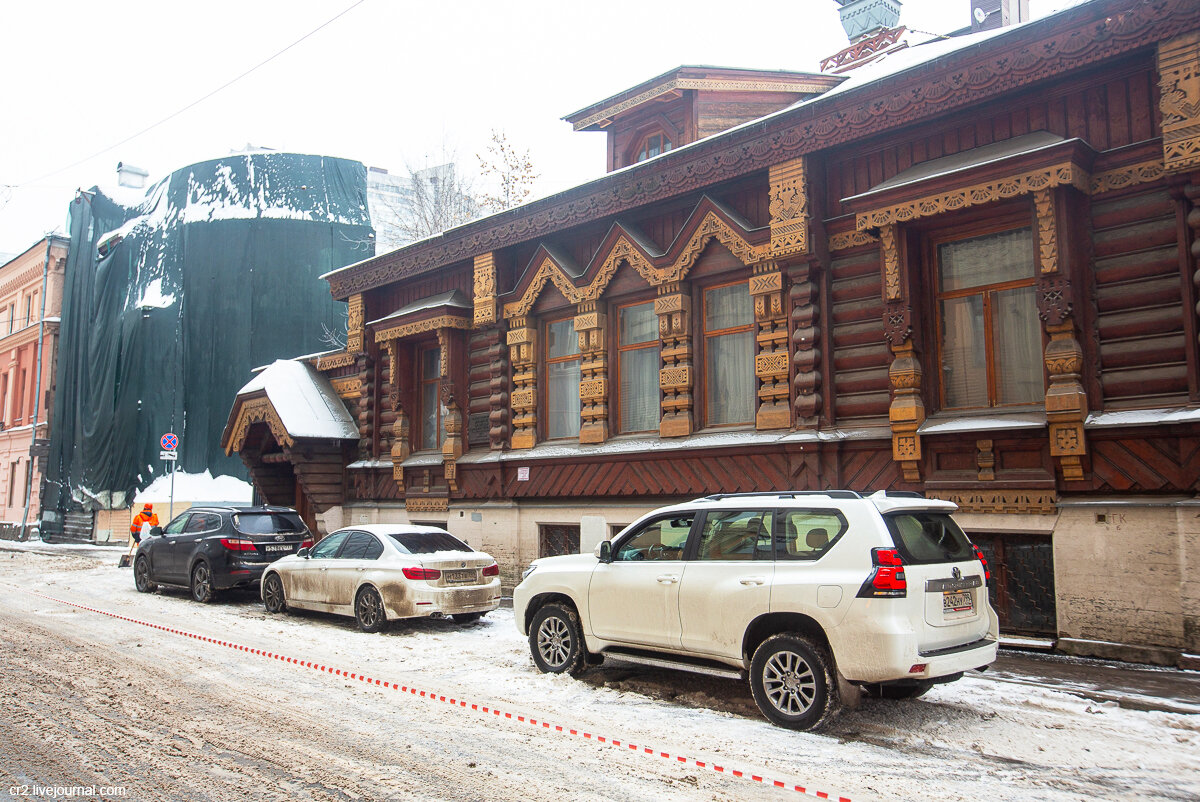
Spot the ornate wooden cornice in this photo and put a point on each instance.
(349, 388)
(1128, 176)
(1068, 173)
(851, 239)
(707, 222)
(1001, 502)
(1036, 52)
(326, 362)
(421, 326)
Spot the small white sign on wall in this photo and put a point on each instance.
(523, 474)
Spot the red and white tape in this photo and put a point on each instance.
(462, 704)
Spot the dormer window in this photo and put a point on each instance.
(653, 145)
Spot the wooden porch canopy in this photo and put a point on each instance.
(307, 425)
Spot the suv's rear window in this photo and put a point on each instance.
(928, 537)
(267, 523)
(428, 542)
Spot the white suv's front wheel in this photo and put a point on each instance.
(791, 678)
(556, 640)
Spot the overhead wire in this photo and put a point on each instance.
(191, 105)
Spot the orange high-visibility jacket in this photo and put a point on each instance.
(142, 518)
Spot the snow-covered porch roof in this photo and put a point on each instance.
(295, 401)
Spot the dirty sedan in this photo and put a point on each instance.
(381, 572)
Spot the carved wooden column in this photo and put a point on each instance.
(771, 361)
(1179, 101)
(907, 411)
(593, 373)
(452, 446)
(1066, 400)
(498, 387)
(355, 324)
(522, 351)
(674, 309)
(401, 445)
(806, 340)
(485, 289)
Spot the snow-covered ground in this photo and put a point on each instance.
(979, 738)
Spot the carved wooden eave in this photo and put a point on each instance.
(1034, 53)
(247, 411)
(709, 221)
(332, 361)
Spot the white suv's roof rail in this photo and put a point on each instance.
(784, 494)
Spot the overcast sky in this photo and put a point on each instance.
(390, 83)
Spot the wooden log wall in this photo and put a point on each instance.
(1141, 332)
(1121, 111)
(860, 352)
(319, 466)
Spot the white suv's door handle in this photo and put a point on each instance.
(752, 580)
(667, 579)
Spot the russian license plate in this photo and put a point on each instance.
(460, 577)
(277, 548)
(961, 602)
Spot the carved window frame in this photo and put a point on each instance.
(940, 231)
(618, 350)
(700, 393)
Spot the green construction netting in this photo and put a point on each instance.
(169, 305)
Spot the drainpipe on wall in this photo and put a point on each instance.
(37, 392)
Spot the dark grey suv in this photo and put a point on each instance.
(207, 549)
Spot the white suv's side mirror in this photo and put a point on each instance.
(603, 551)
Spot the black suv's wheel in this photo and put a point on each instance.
(368, 610)
(792, 681)
(466, 618)
(273, 594)
(202, 588)
(141, 576)
(556, 640)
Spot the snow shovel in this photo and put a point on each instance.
(127, 558)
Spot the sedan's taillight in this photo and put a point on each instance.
(237, 544)
(492, 570)
(306, 544)
(887, 579)
(421, 573)
(987, 572)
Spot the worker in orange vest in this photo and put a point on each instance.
(144, 518)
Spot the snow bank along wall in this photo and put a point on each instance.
(169, 305)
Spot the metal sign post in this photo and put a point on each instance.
(170, 442)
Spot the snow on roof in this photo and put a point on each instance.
(1142, 417)
(453, 298)
(304, 400)
(976, 423)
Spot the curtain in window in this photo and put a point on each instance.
(1018, 336)
(562, 381)
(638, 368)
(562, 400)
(964, 355)
(994, 259)
(431, 420)
(729, 357)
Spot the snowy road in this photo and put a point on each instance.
(96, 701)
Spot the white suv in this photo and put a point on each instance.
(814, 595)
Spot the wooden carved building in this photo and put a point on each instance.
(967, 269)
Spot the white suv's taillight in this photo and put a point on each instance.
(887, 579)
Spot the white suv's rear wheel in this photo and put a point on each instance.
(792, 681)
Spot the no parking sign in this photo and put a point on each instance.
(169, 441)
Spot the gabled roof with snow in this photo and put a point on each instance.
(304, 400)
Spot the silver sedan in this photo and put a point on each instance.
(382, 572)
